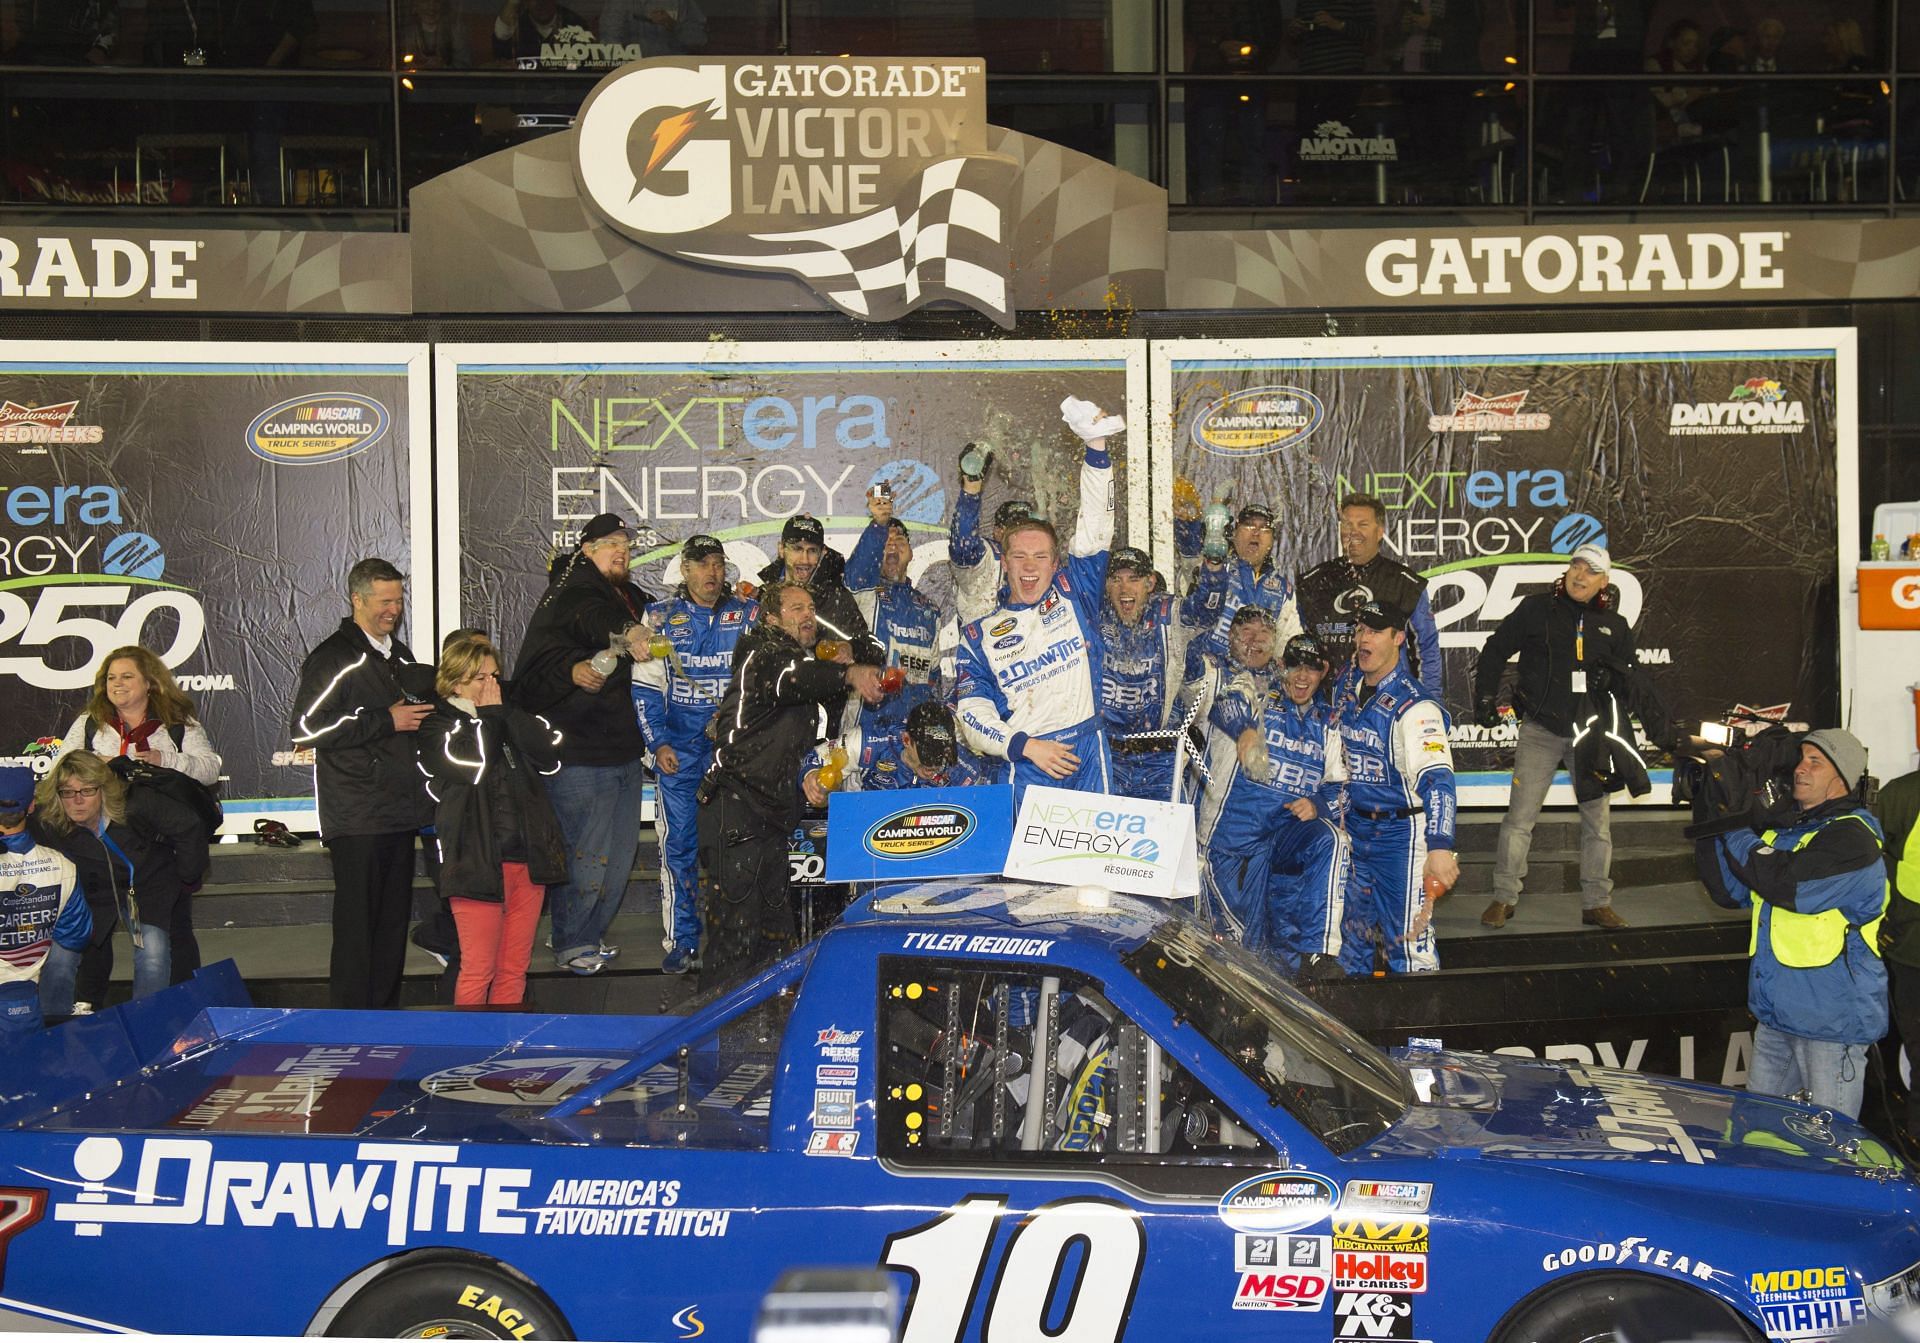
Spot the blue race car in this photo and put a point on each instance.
(1050, 1119)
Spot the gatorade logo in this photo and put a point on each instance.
(1906, 592)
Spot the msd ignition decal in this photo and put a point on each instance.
(1258, 421)
(308, 430)
(918, 834)
(868, 180)
(1756, 406)
(1284, 1201)
(1281, 1272)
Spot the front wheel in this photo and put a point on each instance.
(450, 1300)
(1601, 1308)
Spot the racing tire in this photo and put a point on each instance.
(450, 1299)
(1601, 1308)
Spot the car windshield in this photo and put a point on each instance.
(1321, 1072)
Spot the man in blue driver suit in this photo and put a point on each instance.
(1818, 888)
(906, 624)
(1247, 671)
(1400, 798)
(926, 754)
(1028, 673)
(1143, 638)
(1252, 580)
(974, 558)
(1276, 862)
(675, 697)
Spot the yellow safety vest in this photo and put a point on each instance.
(1808, 941)
(1907, 872)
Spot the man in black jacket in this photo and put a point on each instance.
(1329, 592)
(353, 710)
(589, 604)
(806, 559)
(781, 702)
(1573, 642)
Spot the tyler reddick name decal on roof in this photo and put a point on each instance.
(414, 1191)
(980, 944)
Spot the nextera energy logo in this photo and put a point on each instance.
(867, 179)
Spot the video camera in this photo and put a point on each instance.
(1737, 774)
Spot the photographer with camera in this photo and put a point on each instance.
(1569, 640)
(1818, 889)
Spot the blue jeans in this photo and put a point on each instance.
(152, 971)
(1782, 1064)
(19, 1011)
(599, 811)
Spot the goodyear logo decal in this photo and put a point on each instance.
(323, 427)
(1258, 421)
(916, 833)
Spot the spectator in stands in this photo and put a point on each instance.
(524, 27)
(358, 707)
(138, 711)
(500, 843)
(1844, 47)
(434, 34)
(591, 607)
(1567, 640)
(1682, 53)
(657, 27)
(1769, 35)
(1818, 891)
(63, 32)
(1898, 811)
(41, 906)
(135, 849)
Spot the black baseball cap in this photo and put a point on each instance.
(604, 525)
(1252, 615)
(803, 527)
(1380, 616)
(1255, 513)
(930, 725)
(1303, 650)
(700, 546)
(1130, 557)
(895, 525)
(1012, 511)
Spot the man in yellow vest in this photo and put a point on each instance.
(1818, 889)
(1898, 808)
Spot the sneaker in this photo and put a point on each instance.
(607, 953)
(588, 964)
(83, 1009)
(679, 961)
(1497, 914)
(1602, 917)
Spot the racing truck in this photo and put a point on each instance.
(1049, 1113)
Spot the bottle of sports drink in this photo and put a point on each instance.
(891, 680)
(827, 649)
(1219, 524)
(834, 771)
(608, 658)
(1879, 550)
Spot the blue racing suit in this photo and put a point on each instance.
(1139, 664)
(1277, 881)
(1400, 803)
(1269, 588)
(676, 698)
(1034, 670)
(882, 767)
(42, 908)
(975, 560)
(908, 628)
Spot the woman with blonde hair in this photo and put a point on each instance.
(501, 845)
(136, 850)
(137, 710)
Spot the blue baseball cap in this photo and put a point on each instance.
(16, 787)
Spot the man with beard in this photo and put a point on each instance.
(1144, 640)
(676, 696)
(1400, 799)
(589, 604)
(806, 559)
(780, 702)
(354, 709)
(1361, 573)
(1252, 580)
(905, 624)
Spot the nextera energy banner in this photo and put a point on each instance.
(205, 500)
(1705, 462)
(734, 439)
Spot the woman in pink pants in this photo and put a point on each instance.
(500, 844)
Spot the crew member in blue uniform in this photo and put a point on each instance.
(676, 697)
(1247, 671)
(906, 624)
(1400, 798)
(1029, 672)
(926, 754)
(1143, 637)
(1252, 580)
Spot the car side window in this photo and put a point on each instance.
(984, 1062)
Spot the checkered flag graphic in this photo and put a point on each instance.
(946, 237)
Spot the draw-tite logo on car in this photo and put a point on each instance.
(45, 424)
(309, 430)
(1476, 414)
(1285, 1201)
(1756, 406)
(546, 1081)
(919, 834)
(1257, 421)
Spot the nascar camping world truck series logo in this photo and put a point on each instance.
(869, 180)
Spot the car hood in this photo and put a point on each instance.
(1493, 1107)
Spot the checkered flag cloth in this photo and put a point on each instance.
(952, 243)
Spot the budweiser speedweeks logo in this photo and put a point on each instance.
(867, 179)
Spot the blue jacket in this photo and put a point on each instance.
(883, 767)
(1398, 760)
(1840, 867)
(907, 626)
(1270, 588)
(676, 696)
(1144, 662)
(1241, 809)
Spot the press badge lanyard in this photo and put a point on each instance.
(132, 910)
(1580, 655)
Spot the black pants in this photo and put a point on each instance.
(1905, 995)
(743, 887)
(372, 893)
